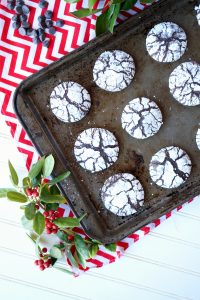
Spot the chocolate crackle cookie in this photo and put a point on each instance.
(166, 42)
(170, 167)
(96, 149)
(184, 83)
(141, 118)
(122, 194)
(198, 138)
(114, 70)
(70, 102)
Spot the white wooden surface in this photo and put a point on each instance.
(163, 265)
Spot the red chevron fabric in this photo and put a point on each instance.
(19, 58)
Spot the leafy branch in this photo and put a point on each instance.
(108, 14)
(40, 199)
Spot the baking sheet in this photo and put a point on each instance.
(49, 135)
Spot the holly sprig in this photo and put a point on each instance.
(108, 14)
(40, 199)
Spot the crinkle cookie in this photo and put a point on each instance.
(114, 70)
(122, 194)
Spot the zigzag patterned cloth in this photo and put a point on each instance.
(19, 58)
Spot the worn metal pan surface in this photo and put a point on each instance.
(49, 135)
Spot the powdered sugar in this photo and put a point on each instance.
(184, 83)
(96, 149)
(166, 42)
(122, 194)
(170, 167)
(198, 138)
(197, 9)
(141, 118)
(114, 70)
(70, 102)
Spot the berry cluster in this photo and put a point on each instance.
(20, 21)
(32, 192)
(44, 262)
(50, 216)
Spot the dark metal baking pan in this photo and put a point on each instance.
(49, 135)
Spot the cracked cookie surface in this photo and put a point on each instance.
(114, 70)
(141, 118)
(70, 102)
(170, 167)
(166, 42)
(198, 138)
(184, 83)
(122, 194)
(197, 9)
(96, 149)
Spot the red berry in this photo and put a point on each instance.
(36, 262)
(51, 212)
(41, 255)
(70, 237)
(47, 264)
(35, 194)
(52, 218)
(54, 226)
(42, 268)
(49, 261)
(29, 191)
(45, 214)
(48, 231)
(37, 207)
(44, 250)
(49, 225)
(45, 180)
(54, 231)
(40, 262)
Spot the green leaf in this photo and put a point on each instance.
(93, 250)
(85, 12)
(114, 17)
(91, 4)
(36, 168)
(13, 174)
(27, 224)
(128, 4)
(4, 191)
(56, 252)
(32, 238)
(26, 183)
(30, 211)
(62, 236)
(81, 246)
(52, 199)
(117, 1)
(53, 190)
(147, 1)
(53, 260)
(62, 269)
(51, 206)
(82, 260)
(17, 197)
(111, 247)
(72, 1)
(39, 223)
(48, 166)
(67, 222)
(103, 20)
(71, 258)
(35, 181)
(59, 178)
